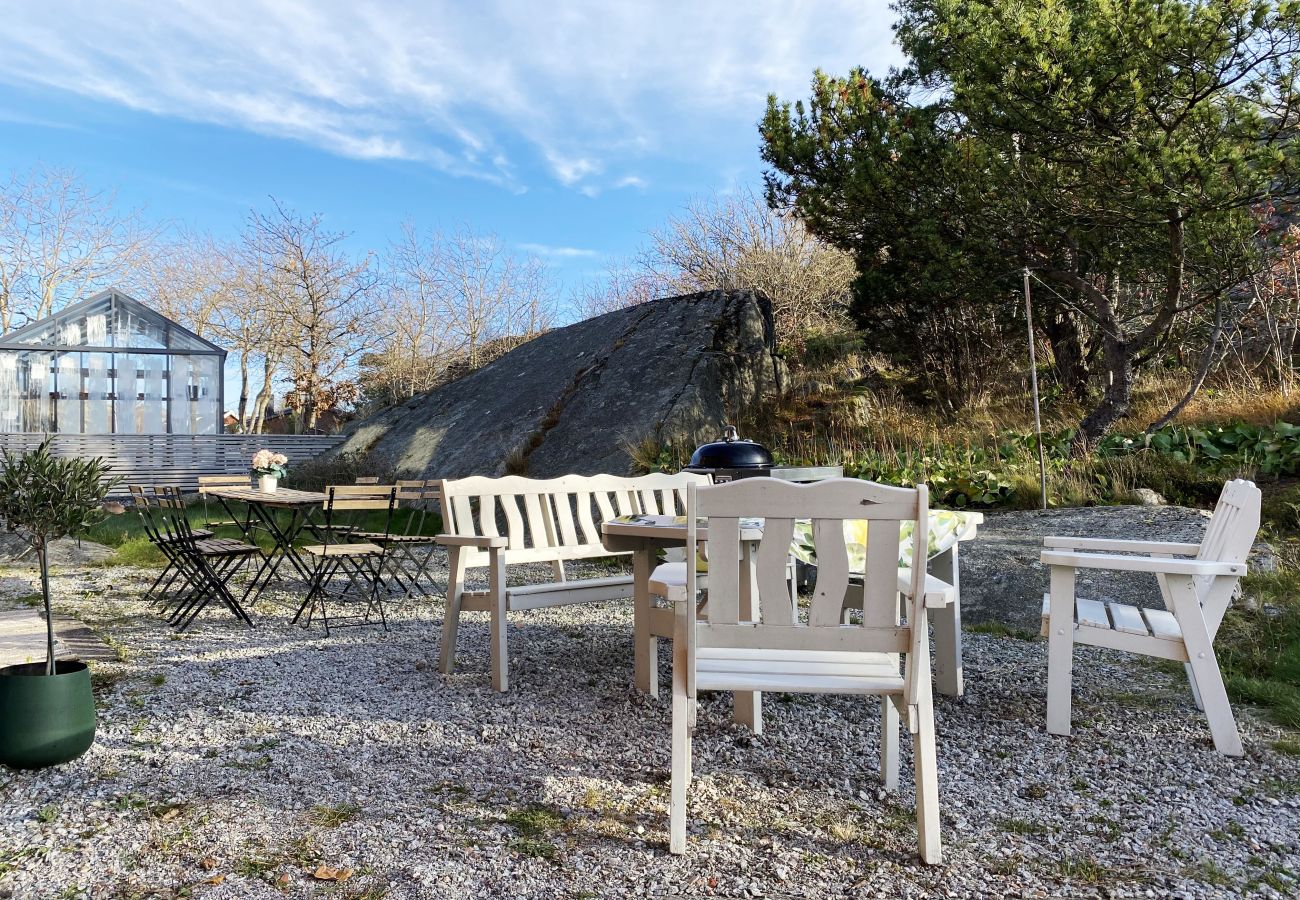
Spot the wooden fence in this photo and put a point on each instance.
(175, 459)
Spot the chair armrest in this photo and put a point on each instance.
(1106, 545)
(1141, 563)
(484, 543)
(937, 591)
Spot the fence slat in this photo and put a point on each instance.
(174, 459)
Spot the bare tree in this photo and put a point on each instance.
(324, 298)
(736, 242)
(485, 291)
(621, 285)
(190, 279)
(415, 354)
(59, 241)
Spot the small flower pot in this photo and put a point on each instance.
(267, 484)
(45, 720)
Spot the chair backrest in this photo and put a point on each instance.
(555, 518)
(417, 496)
(828, 504)
(340, 497)
(209, 482)
(354, 500)
(1228, 538)
(1234, 523)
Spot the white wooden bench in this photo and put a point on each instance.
(551, 521)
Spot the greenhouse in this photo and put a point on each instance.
(109, 365)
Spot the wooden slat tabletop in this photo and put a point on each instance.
(283, 497)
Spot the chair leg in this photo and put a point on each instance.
(889, 743)
(1060, 650)
(926, 768)
(1205, 666)
(497, 591)
(681, 764)
(451, 615)
(1196, 691)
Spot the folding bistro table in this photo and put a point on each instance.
(263, 505)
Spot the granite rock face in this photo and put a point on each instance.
(574, 399)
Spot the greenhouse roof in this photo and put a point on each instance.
(108, 321)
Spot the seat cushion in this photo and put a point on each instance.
(797, 671)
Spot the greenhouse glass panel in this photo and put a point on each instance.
(112, 365)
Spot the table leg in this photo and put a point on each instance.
(748, 705)
(645, 650)
(284, 538)
(947, 627)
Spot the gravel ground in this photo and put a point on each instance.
(243, 763)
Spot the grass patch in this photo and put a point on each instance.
(1287, 746)
(11, 860)
(535, 824)
(328, 816)
(1023, 826)
(1085, 870)
(136, 551)
(1001, 629)
(1259, 648)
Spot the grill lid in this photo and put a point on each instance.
(731, 453)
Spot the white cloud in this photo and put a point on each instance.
(488, 90)
(557, 252)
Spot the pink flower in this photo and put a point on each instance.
(279, 459)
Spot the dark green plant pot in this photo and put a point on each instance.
(45, 719)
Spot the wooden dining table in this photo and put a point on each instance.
(263, 506)
(645, 538)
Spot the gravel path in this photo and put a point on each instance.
(243, 763)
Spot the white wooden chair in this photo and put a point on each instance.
(778, 651)
(1196, 594)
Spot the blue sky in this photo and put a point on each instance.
(567, 129)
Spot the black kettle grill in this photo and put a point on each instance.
(731, 458)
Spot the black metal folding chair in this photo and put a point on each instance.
(207, 564)
(412, 546)
(348, 572)
(173, 568)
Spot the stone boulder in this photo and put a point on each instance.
(576, 398)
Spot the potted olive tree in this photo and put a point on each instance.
(47, 711)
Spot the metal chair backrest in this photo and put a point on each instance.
(209, 482)
(355, 500)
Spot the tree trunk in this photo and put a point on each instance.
(243, 391)
(1203, 370)
(43, 559)
(1062, 331)
(1117, 397)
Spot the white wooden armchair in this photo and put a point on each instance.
(779, 652)
(1196, 595)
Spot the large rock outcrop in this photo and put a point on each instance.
(574, 399)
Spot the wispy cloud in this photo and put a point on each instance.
(557, 252)
(17, 118)
(488, 90)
